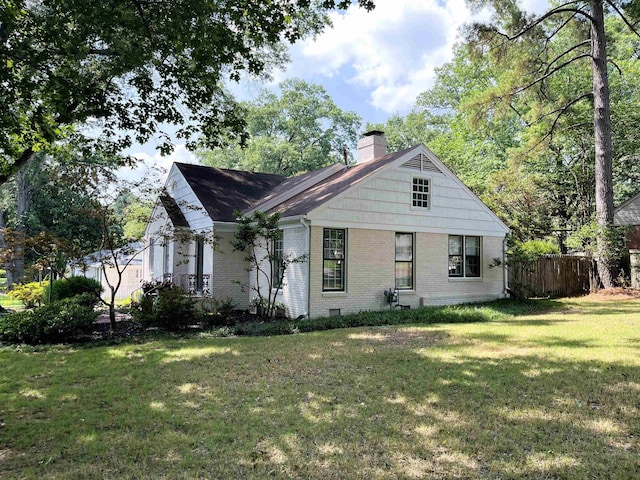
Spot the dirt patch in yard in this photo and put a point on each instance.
(400, 337)
(613, 294)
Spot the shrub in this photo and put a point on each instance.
(215, 313)
(30, 294)
(72, 286)
(142, 310)
(171, 308)
(426, 315)
(55, 322)
(86, 299)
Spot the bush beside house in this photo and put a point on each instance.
(72, 286)
(55, 322)
(70, 312)
(165, 306)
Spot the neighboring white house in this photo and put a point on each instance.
(628, 215)
(401, 221)
(129, 261)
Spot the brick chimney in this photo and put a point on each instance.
(372, 144)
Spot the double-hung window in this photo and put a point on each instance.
(464, 256)
(277, 261)
(421, 193)
(404, 261)
(333, 260)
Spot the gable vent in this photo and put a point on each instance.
(421, 163)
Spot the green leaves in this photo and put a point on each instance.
(298, 130)
(134, 66)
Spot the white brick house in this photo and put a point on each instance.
(401, 221)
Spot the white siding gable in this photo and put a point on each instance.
(384, 201)
(183, 194)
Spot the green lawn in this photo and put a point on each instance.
(552, 395)
(12, 303)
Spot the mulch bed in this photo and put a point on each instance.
(102, 331)
(127, 328)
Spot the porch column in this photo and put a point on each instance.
(634, 260)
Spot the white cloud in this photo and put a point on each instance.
(157, 161)
(391, 51)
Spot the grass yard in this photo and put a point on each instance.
(551, 395)
(7, 302)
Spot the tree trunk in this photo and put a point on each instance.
(112, 316)
(23, 199)
(3, 246)
(603, 153)
(112, 310)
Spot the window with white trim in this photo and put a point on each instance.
(421, 192)
(277, 265)
(404, 261)
(166, 255)
(152, 250)
(464, 256)
(333, 259)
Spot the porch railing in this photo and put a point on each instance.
(192, 283)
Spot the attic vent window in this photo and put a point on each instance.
(421, 193)
(421, 163)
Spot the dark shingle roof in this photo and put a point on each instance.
(222, 191)
(324, 191)
(292, 183)
(173, 210)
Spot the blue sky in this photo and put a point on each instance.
(374, 63)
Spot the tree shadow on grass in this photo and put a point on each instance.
(604, 308)
(552, 341)
(371, 403)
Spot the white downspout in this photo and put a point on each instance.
(306, 225)
(505, 270)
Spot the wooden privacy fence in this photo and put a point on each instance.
(554, 275)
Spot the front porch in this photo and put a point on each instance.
(194, 284)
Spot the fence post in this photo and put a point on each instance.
(634, 260)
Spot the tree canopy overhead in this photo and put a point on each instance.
(529, 152)
(297, 130)
(130, 67)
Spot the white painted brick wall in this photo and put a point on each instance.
(259, 278)
(294, 292)
(435, 287)
(371, 270)
(228, 268)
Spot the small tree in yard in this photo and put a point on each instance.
(260, 239)
(117, 250)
